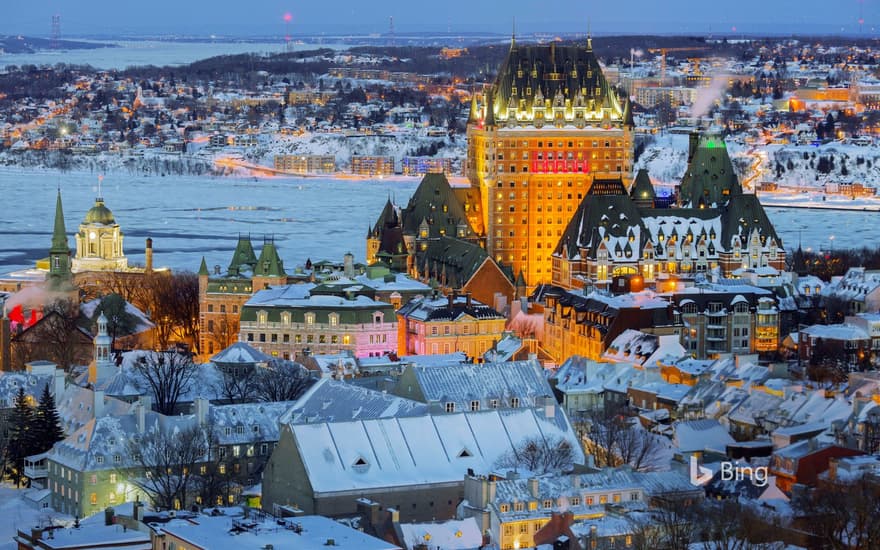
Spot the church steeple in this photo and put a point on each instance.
(59, 233)
(513, 35)
(59, 254)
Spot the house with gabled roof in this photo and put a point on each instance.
(414, 464)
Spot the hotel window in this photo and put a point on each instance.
(334, 320)
(523, 527)
(222, 308)
(310, 318)
(505, 508)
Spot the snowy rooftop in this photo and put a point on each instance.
(298, 295)
(465, 382)
(302, 533)
(701, 435)
(247, 422)
(450, 535)
(836, 332)
(370, 454)
(331, 400)
(241, 353)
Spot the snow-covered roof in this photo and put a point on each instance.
(331, 400)
(302, 533)
(466, 382)
(240, 353)
(701, 435)
(454, 534)
(836, 332)
(247, 422)
(397, 452)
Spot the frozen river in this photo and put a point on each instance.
(191, 216)
(317, 218)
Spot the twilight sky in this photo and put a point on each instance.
(265, 17)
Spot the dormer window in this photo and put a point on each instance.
(334, 320)
(360, 465)
(465, 454)
(310, 318)
(450, 407)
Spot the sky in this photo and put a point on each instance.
(265, 17)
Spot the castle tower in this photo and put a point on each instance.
(549, 125)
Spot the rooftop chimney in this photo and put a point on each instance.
(148, 256)
(468, 296)
(98, 408)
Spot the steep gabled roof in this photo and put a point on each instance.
(269, 264)
(243, 258)
(612, 219)
(533, 71)
(435, 202)
(460, 259)
(709, 179)
(642, 189)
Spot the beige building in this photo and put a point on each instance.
(99, 242)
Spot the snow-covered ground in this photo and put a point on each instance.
(17, 515)
(188, 216)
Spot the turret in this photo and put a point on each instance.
(148, 256)
(59, 254)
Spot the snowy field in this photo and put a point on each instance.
(146, 52)
(191, 216)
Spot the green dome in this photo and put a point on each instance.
(99, 214)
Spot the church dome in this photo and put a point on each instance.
(99, 214)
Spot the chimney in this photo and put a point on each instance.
(98, 408)
(468, 296)
(490, 491)
(148, 256)
(5, 341)
(576, 481)
(451, 297)
(201, 410)
(143, 406)
(58, 384)
(348, 265)
(533, 487)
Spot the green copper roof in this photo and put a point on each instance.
(59, 233)
(269, 264)
(99, 214)
(203, 268)
(244, 256)
(435, 202)
(710, 178)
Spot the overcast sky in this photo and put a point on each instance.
(265, 17)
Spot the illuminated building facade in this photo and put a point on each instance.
(546, 128)
(99, 242)
(712, 224)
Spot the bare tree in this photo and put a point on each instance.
(669, 525)
(169, 375)
(174, 307)
(729, 525)
(539, 455)
(165, 462)
(614, 439)
(58, 336)
(842, 514)
(282, 381)
(238, 387)
(223, 329)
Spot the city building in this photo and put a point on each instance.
(284, 321)
(306, 164)
(372, 165)
(548, 126)
(720, 318)
(99, 241)
(586, 325)
(515, 510)
(712, 225)
(445, 324)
